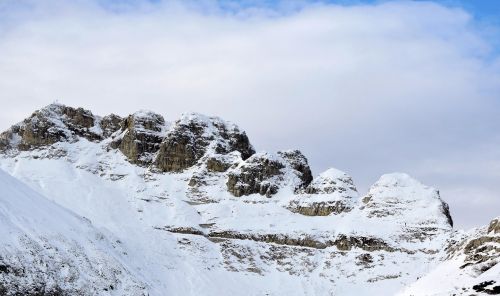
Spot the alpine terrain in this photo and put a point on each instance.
(140, 205)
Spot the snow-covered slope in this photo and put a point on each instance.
(199, 212)
(470, 267)
(45, 249)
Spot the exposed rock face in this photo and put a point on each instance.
(110, 124)
(5, 139)
(487, 287)
(342, 242)
(49, 125)
(494, 226)
(209, 170)
(144, 136)
(470, 267)
(141, 135)
(253, 176)
(192, 136)
(303, 241)
(320, 208)
(481, 249)
(445, 210)
(217, 164)
(346, 243)
(298, 162)
(265, 173)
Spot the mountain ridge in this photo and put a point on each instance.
(196, 187)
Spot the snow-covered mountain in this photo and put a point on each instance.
(188, 207)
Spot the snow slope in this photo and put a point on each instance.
(47, 249)
(471, 266)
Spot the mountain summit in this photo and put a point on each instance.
(193, 209)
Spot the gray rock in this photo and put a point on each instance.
(217, 164)
(299, 163)
(445, 210)
(264, 173)
(323, 208)
(141, 136)
(346, 243)
(194, 135)
(49, 125)
(110, 124)
(494, 226)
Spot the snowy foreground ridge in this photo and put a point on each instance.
(139, 205)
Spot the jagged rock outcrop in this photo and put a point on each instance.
(318, 208)
(471, 266)
(253, 176)
(140, 137)
(266, 173)
(494, 226)
(49, 125)
(217, 164)
(346, 243)
(212, 167)
(481, 249)
(298, 162)
(195, 135)
(5, 140)
(110, 124)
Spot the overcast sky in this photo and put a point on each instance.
(366, 88)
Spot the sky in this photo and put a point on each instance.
(368, 87)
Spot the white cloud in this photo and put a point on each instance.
(369, 89)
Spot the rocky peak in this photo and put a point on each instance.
(195, 135)
(51, 124)
(400, 195)
(265, 173)
(330, 181)
(494, 226)
(140, 136)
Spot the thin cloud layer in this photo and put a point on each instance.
(369, 89)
